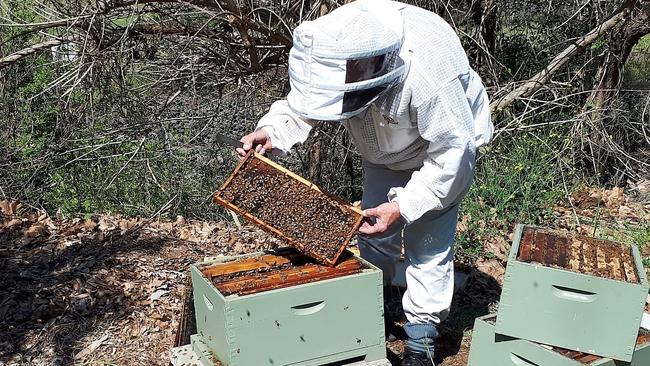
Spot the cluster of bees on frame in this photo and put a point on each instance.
(290, 206)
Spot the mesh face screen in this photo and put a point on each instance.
(355, 100)
(369, 68)
(366, 69)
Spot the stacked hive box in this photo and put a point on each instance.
(284, 309)
(569, 292)
(317, 307)
(492, 349)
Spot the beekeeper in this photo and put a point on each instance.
(398, 79)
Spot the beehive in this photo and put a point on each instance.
(573, 292)
(290, 207)
(492, 349)
(286, 309)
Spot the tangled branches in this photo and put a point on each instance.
(103, 98)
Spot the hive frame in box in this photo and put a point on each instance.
(269, 228)
(332, 320)
(571, 310)
(491, 349)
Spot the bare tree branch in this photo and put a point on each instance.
(533, 84)
(17, 56)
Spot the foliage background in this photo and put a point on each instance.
(122, 118)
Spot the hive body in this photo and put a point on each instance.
(492, 349)
(313, 323)
(557, 306)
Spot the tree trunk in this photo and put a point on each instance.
(620, 46)
(482, 50)
(484, 17)
(609, 78)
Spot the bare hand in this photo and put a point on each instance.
(385, 215)
(259, 140)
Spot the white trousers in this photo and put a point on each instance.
(428, 244)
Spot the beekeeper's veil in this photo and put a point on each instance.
(343, 61)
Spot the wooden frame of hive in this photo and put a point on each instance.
(218, 198)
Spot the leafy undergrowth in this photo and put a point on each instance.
(110, 289)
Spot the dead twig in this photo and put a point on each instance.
(533, 84)
(18, 55)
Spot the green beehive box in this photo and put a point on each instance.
(328, 320)
(492, 349)
(573, 292)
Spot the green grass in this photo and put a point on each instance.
(517, 181)
(637, 67)
(643, 44)
(641, 235)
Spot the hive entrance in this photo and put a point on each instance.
(578, 254)
(277, 200)
(269, 272)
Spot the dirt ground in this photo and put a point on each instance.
(109, 290)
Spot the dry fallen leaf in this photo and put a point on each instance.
(128, 286)
(9, 208)
(463, 223)
(14, 222)
(5, 208)
(626, 212)
(492, 268)
(35, 231)
(89, 224)
(498, 246)
(91, 348)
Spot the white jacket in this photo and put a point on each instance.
(431, 123)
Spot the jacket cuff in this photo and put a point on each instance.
(408, 206)
(275, 139)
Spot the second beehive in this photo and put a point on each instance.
(573, 292)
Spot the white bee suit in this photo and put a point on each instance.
(418, 136)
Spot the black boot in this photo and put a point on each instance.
(420, 344)
(417, 359)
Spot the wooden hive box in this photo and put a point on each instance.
(573, 292)
(270, 309)
(290, 207)
(492, 349)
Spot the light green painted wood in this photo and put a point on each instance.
(186, 356)
(310, 324)
(571, 310)
(641, 357)
(491, 349)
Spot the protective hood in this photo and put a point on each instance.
(342, 62)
